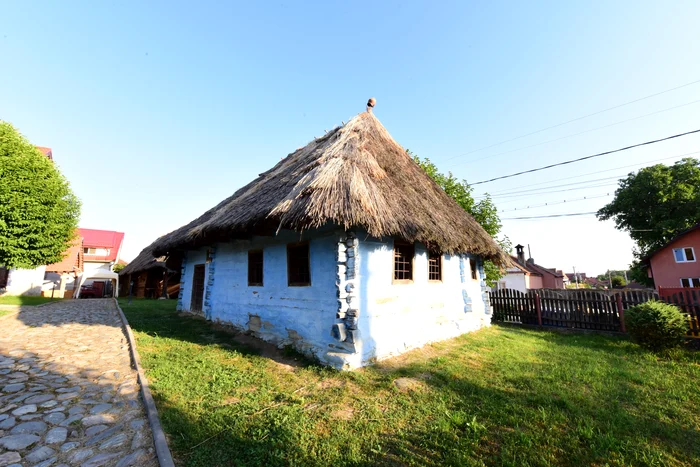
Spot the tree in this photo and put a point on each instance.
(118, 267)
(38, 211)
(484, 211)
(656, 203)
(618, 281)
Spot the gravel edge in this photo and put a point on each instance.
(165, 459)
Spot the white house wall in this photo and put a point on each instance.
(515, 280)
(25, 281)
(398, 317)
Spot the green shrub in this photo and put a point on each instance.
(656, 325)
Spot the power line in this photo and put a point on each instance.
(576, 119)
(553, 215)
(507, 190)
(585, 198)
(582, 132)
(587, 157)
(501, 195)
(554, 191)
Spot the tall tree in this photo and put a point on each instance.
(38, 211)
(654, 205)
(484, 211)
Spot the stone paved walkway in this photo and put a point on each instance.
(68, 394)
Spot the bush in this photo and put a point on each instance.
(656, 325)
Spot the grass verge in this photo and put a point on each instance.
(22, 300)
(501, 396)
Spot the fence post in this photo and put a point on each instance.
(538, 307)
(621, 312)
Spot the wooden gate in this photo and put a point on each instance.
(197, 288)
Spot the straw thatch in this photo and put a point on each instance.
(354, 176)
(144, 262)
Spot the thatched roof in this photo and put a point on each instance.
(143, 262)
(354, 176)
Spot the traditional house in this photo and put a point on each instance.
(676, 265)
(524, 275)
(144, 276)
(345, 249)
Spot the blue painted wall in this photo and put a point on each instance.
(300, 316)
(392, 318)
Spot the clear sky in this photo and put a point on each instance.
(156, 111)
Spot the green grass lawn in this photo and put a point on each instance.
(501, 396)
(24, 301)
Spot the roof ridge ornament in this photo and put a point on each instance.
(371, 103)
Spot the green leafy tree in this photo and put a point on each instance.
(653, 206)
(618, 281)
(118, 267)
(483, 211)
(656, 203)
(38, 211)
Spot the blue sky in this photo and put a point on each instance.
(158, 110)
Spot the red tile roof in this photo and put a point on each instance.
(93, 238)
(72, 261)
(46, 151)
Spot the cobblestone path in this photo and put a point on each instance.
(68, 394)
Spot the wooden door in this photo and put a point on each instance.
(197, 288)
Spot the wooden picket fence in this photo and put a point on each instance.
(590, 309)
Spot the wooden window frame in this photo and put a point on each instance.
(439, 257)
(401, 243)
(262, 268)
(690, 282)
(290, 282)
(473, 269)
(685, 255)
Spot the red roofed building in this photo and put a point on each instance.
(46, 152)
(101, 248)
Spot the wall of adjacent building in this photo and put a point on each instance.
(396, 317)
(667, 273)
(25, 281)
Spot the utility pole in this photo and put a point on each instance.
(576, 277)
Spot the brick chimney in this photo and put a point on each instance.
(520, 250)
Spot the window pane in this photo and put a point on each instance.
(403, 261)
(689, 254)
(298, 268)
(472, 266)
(255, 267)
(696, 282)
(434, 267)
(685, 282)
(678, 253)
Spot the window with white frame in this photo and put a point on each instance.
(688, 282)
(684, 255)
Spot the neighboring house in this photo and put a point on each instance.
(60, 278)
(101, 249)
(525, 275)
(144, 276)
(345, 250)
(676, 263)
